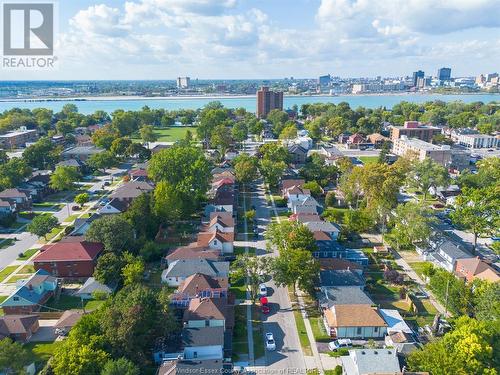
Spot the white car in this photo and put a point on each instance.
(263, 290)
(270, 343)
(340, 343)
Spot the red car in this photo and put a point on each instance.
(264, 305)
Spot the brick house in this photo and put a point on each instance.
(69, 259)
(18, 327)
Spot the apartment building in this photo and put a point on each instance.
(18, 138)
(405, 146)
(477, 140)
(414, 129)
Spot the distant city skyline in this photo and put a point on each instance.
(237, 39)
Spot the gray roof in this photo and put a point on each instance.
(203, 336)
(324, 226)
(82, 150)
(371, 361)
(132, 189)
(452, 250)
(341, 278)
(70, 163)
(297, 149)
(91, 285)
(188, 267)
(343, 295)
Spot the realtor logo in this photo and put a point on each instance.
(28, 29)
(28, 34)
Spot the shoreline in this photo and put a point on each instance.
(215, 97)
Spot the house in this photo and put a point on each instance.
(179, 270)
(72, 259)
(113, 207)
(341, 278)
(342, 295)
(21, 198)
(223, 241)
(18, 138)
(38, 185)
(298, 154)
(131, 190)
(287, 184)
(371, 361)
(18, 327)
(446, 255)
(474, 268)
(201, 343)
(83, 140)
(339, 264)
(68, 320)
(297, 193)
(226, 217)
(192, 251)
(82, 224)
(138, 174)
(90, 286)
(327, 248)
(332, 230)
(355, 139)
(377, 139)
(395, 322)
(354, 321)
(403, 343)
(81, 153)
(344, 137)
(304, 218)
(446, 194)
(75, 163)
(7, 208)
(30, 294)
(209, 312)
(307, 205)
(199, 286)
(219, 224)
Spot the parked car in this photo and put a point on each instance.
(270, 343)
(263, 290)
(76, 208)
(340, 343)
(264, 303)
(61, 332)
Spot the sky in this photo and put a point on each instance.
(247, 39)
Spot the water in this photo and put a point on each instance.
(368, 101)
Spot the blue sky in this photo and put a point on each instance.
(162, 39)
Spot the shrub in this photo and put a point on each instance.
(330, 199)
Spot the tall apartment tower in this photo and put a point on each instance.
(267, 101)
(444, 74)
(416, 75)
(183, 82)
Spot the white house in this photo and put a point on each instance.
(179, 270)
(203, 343)
(354, 321)
(223, 241)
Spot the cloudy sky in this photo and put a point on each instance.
(162, 39)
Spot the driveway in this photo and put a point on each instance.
(45, 332)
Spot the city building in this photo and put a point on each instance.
(324, 80)
(477, 140)
(416, 147)
(18, 138)
(268, 100)
(416, 75)
(444, 74)
(414, 129)
(183, 82)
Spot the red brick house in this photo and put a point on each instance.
(69, 259)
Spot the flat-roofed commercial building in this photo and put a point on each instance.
(414, 129)
(477, 140)
(405, 146)
(18, 138)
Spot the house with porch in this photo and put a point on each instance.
(354, 322)
(199, 286)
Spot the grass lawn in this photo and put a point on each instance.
(54, 232)
(301, 329)
(40, 352)
(92, 304)
(6, 272)
(15, 278)
(27, 269)
(65, 302)
(17, 225)
(239, 289)
(6, 243)
(258, 335)
(418, 267)
(28, 254)
(170, 134)
(318, 329)
(48, 205)
(240, 335)
(74, 216)
(368, 159)
(3, 298)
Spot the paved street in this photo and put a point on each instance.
(280, 321)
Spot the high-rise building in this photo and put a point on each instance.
(268, 100)
(416, 75)
(324, 80)
(183, 82)
(444, 74)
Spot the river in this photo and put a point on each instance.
(369, 101)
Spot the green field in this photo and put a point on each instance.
(169, 134)
(40, 352)
(368, 159)
(6, 272)
(27, 254)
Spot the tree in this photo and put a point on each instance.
(64, 178)
(314, 187)
(13, 172)
(13, 357)
(81, 199)
(412, 223)
(245, 167)
(168, 204)
(64, 127)
(239, 131)
(291, 235)
(142, 217)
(357, 221)
(295, 268)
(486, 301)
(42, 224)
(468, 349)
(104, 138)
(133, 270)
(74, 358)
(147, 134)
(288, 132)
(108, 269)
(42, 154)
(113, 231)
(209, 119)
(477, 211)
(120, 146)
(121, 366)
(221, 138)
(330, 199)
(101, 161)
(4, 158)
(426, 174)
(251, 267)
(272, 171)
(125, 123)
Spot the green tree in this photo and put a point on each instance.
(142, 217)
(147, 134)
(239, 131)
(113, 231)
(209, 119)
(64, 178)
(4, 158)
(42, 224)
(125, 123)
(272, 171)
(120, 146)
(291, 235)
(486, 301)
(330, 199)
(74, 358)
(42, 154)
(221, 138)
(108, 269)
(101, 161)
(81, 199)
(314, 187)
(64, 127)
(104, 138)
(245, 167)
(357, 221)
(477, 211)
(13, 357)
(133, 270)
(120, 366)
(251, 267)
(13, 172)
(168, 204)
(288, 132)
(426, 174)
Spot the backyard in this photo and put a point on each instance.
(170, 134)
